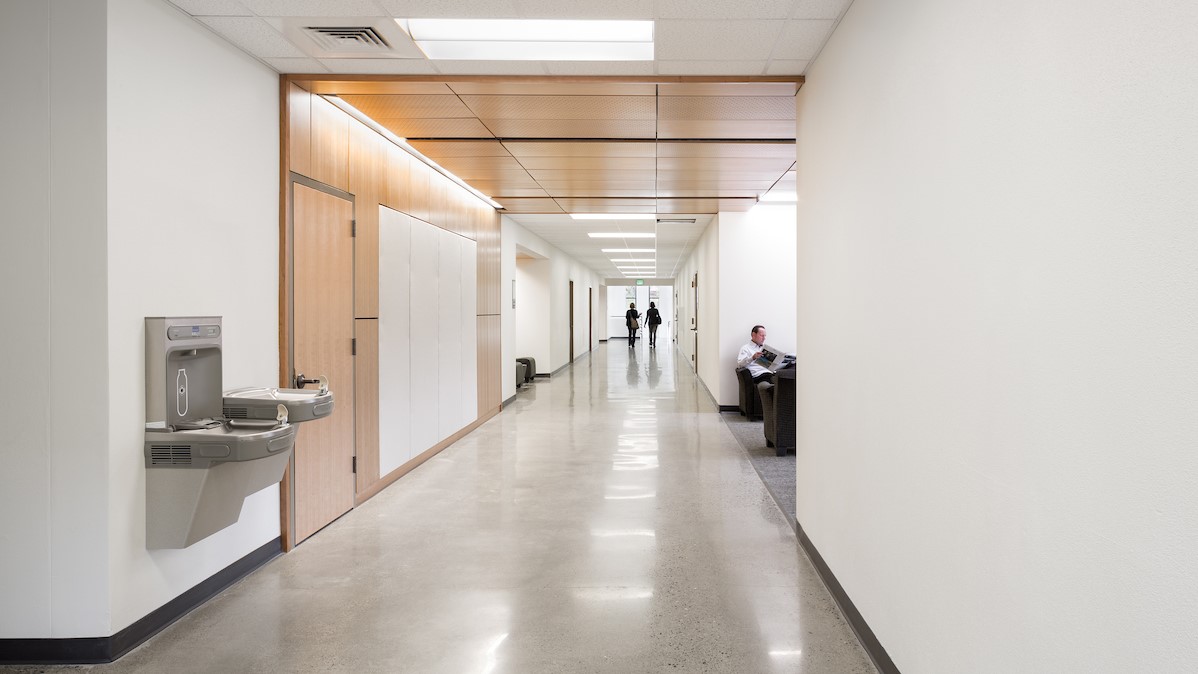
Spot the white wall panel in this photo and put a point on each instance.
(395, 366)
(449, 354)
(997, 283)
(424, 330)
(470, 409)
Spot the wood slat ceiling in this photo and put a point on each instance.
(601, 146)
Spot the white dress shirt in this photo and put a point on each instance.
(745, 359)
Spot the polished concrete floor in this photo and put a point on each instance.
(607, 521)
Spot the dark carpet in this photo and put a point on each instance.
(777, 472)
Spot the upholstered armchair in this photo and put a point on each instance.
(750, 401)
(778, 410)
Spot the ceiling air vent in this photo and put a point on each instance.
(359, 39)
(677, 221)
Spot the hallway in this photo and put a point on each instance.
(606, 521)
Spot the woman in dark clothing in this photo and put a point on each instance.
(653, 319)
(631, 321)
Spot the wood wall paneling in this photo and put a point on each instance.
(490, 391)
(366, 403)
(419, 177)
(365, 182)
(299, 136)
(397, 187)
(330, 144)
(438, 193)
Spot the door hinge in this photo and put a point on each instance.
(355, 465)
(353, 346)
(353, 227)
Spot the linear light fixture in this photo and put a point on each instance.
(613, 216)
(531, 39)
(403, 143)
(629, 250)
(631, 259)
(622, 235)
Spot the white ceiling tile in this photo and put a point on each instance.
(710, 67)
(683, 40)
(802, 39)
(786, 67)
(490, 67)
(820, 9)
(315, 7)
(451, 9)
(380, 66)
(722, 9)
(212, 7)
(583, 68)
(253, 35)
(585, 9)
(304, 65)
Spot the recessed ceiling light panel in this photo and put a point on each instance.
(530, 39)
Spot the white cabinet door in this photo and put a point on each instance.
(395, 398)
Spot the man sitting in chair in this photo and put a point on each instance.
(749, 353)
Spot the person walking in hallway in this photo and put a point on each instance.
(653, 319)
(632, 321)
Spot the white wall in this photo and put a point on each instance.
(705, 260)
(53, 526)
(531, 311)
(997, 290)
(192, 230)
(757, 285)
(562, 269)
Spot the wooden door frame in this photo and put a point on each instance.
(590, 318)
(287, 328)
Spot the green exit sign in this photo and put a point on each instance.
(640, 281)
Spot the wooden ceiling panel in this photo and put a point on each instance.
(728, 89)
(436, 128)
(614, 185)
(736, 108)
(588, 163)
(580, 149)
(572, 128)
(595, 192)
(608, 205)
(677, 193)
(727, 150)
(726, 128)
(707, 177)
(563, 107)
(725, 165)
(703, 205)
(590, 176)
(415, 107)
(461, 148)
(527, 88)
(519, 205)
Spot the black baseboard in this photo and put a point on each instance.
(95, 650)
(872, 646)
(729, 408)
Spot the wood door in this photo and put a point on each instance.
(590, 319)
(322, 332)
(571, 321)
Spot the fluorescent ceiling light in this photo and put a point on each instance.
(532, 39)
(629, 250)
(622, 235)
(629, 259)
(613, 216)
